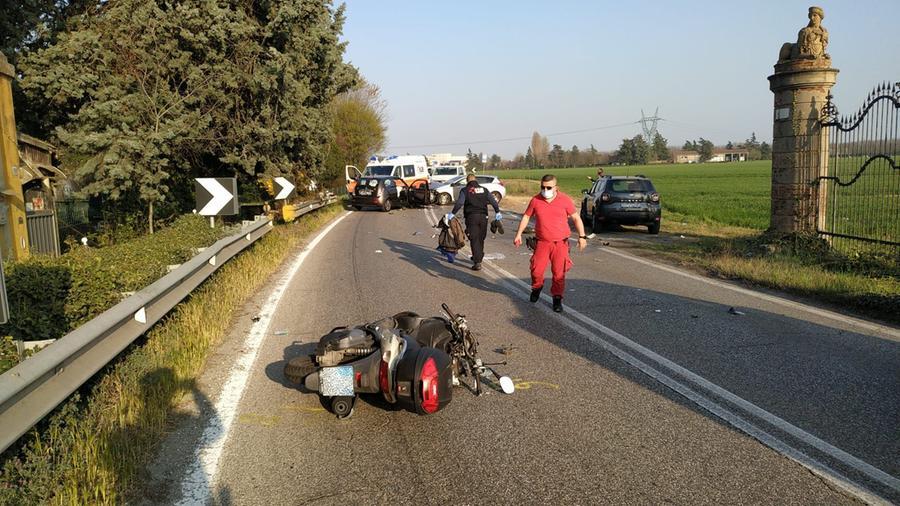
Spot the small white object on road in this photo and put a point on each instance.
(657, 310)
(736, 312)
(378, 251)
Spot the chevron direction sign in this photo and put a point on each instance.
(285, 188)
(216, 196)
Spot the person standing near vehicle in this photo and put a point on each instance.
(473, 200)
(599, 175)
(552, 211)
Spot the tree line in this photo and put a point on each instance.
(632, 151)
(144, 95)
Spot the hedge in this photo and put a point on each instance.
(49, 297)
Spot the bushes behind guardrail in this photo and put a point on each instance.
(49, 297)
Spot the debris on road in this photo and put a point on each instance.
(255, 318)
(281, 332)
(657, 310)
(506, 349)
(695, 316)
(378, 251)
(736, 312)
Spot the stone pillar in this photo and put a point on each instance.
(13, 229)
(802, 80)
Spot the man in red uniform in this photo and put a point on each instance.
(552, 210)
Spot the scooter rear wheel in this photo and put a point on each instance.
(298, 368)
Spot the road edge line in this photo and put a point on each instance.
(200, 476)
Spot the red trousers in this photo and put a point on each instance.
(557, 254)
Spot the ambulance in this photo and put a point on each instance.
(413, 169)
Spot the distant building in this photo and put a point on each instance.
(718, 155)
(685, 156)
(729, 155)
(446, 159)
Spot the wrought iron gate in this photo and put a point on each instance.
(859, 191)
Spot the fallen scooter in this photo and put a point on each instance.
(413, 361)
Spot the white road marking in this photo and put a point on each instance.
(832, 315)
(874, 327)
(509, 281)
(199, 479)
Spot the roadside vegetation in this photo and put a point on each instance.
(91, 448)
(722, 210)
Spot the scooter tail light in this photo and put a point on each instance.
(383, 377)
(430, 384)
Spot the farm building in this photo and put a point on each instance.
(446, 159)
(729, 155)
(685, 156)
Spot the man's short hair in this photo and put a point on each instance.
(470, 178)
(547, 178)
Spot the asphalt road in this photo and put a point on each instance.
(646, 390)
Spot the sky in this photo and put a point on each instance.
(456, 74)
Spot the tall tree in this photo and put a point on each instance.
(557, 156)
(634, 151)
(358, 125)
(494, 161)
(473, 161)
(574, 156)
(660, 148)
(154, 93)
(530, 161)
(705, 148)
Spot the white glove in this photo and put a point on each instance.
(498, 217)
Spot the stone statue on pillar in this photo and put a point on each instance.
(801, 83)
(811, 41)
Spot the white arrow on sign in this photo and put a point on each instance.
(220, 196)
(286, 188)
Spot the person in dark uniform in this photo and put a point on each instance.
(473, 200)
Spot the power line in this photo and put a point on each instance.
(509, 139)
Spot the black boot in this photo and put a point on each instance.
(476, 266)
(557, 304)
(536, 294)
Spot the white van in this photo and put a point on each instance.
(442, 173)
(413, 169)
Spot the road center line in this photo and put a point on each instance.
(199, 478)
(832, 315)
(509, 281)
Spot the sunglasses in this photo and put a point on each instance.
(547, 187)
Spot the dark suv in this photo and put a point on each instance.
(625, 200)
(387, 192)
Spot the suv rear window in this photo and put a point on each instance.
(629, 185)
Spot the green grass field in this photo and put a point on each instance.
(736, 194)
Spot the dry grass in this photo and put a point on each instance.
(89, 451)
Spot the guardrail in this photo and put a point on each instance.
(35, 386)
